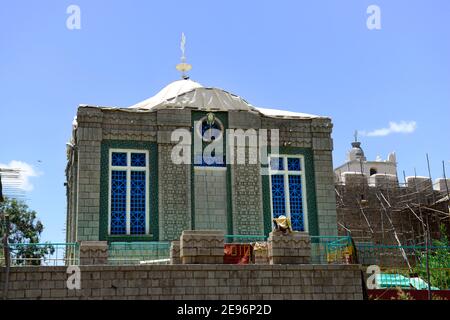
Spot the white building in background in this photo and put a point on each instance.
(357, 163)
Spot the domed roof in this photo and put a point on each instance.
(186, 93)
(170, 91)
(356, 153)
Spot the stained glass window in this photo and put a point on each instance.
(128, 193)
(276, 163)
(118, 202)
(211, 131)
(278, 196)
(119, 159)
(287, 194)
(138, 160)
(296, 202)
(137, 202)
(293, 164)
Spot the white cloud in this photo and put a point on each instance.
(26, 172)
(394, 127)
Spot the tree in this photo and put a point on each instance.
(439, 262)
(24, 232)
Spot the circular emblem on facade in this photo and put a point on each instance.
(210, 128)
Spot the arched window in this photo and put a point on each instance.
(211, 128)
(373, 171)
(211, 131)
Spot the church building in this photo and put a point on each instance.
(123, 183)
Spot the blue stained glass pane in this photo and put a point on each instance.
(137, 202)
(119, 159)
(294, 164)
(118, 202)
(276, 163)
(138, 159)
(278, 196)
(296, 203)
(211, 132)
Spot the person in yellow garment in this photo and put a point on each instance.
(283, 224)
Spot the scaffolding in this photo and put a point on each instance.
(391, 213)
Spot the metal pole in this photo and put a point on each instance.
(5, 244)
(428, 234)
(445, 179)
(7, 256)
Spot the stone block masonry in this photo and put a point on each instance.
(202, 247)
(235, 198)
(174, 195)
(289, 248)
(93, 252)
(210, 198)
(196, 282)
(175, 252)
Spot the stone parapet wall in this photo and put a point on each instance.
(196, 282)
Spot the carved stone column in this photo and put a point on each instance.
(93, 252)
(289, 248)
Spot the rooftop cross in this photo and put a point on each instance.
(183, 67)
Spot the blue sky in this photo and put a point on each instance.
(307, 56)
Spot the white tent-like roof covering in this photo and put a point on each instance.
(190, 94)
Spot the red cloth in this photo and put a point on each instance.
(237, 253)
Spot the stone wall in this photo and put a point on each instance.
(314, 134)
(196, 282)
(174, 196)
(247, 201)
(246, 185)
(325, 194)
(210, 198)
(245, 197)
(89, 136)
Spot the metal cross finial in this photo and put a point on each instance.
(183, 67)
(182, 46)
(356, 135)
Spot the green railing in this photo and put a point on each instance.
(408, 256)
(42, 254)
(324, 249)
(400, 265)
(132, 253)
(236, 238)
(332, 250)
